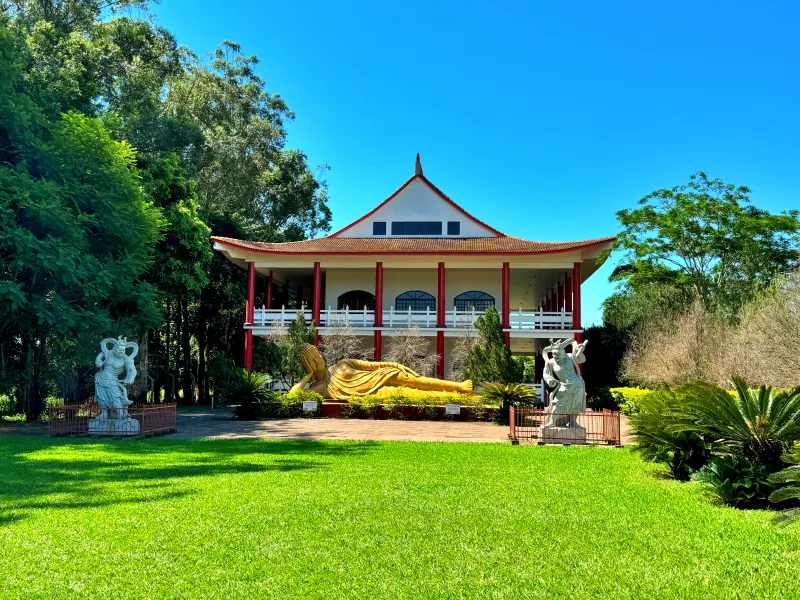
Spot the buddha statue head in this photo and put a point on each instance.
(313, 362)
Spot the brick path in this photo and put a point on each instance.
(219, 423)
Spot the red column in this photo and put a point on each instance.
(567, 293)
(441, 305)
(268, 299)
(249, 314)
(506, 302)
(560, 302)
(251, 294)
(576, 299)
(316, 300)
(440, 352)
(378, 294)
(378, 310)
(440, 312)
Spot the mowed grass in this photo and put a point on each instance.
(300, 519)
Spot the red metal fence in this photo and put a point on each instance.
(589, 427)
(73, 419)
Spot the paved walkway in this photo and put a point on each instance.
(219, 424)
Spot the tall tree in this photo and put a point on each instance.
(76, 230)
(706, 239)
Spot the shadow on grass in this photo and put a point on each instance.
(79, 474)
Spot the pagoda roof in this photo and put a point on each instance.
(489, 241)
(503, 244)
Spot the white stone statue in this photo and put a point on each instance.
(110, 392)
(568, 398)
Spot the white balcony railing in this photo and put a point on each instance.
(519, 319)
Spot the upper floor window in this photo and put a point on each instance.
(379, 228)
(415, 300)
(416, 228)
(480, 301)
(356, 300)
(454, 228)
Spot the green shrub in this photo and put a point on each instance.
(600, 398)
(758, 425)
(787, 482)
(6, 404)
(369, 406)
(290, 405)
(249, 391)
(506, 395)
(661, 433)
(737, 481)
(629, 398)
(303, 396)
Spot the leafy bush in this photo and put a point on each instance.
(249, 391)
(290, 405)
(507, 394)
(6, 404)
(370, 405)
(600, 398)
(303, 396)
(759, 425)
(737, 481)
(790, 492)
(661, 431)
(629, 398)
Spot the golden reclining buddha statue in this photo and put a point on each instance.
(351, 378)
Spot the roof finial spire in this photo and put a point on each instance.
(418, 166)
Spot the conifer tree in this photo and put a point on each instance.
(490, 361)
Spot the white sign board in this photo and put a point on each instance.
(452, 409)
(309, 405)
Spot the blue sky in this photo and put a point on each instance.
(542, 119)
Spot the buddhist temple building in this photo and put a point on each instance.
(417, 260)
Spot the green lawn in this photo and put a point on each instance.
(245, 519)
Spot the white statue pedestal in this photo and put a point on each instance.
(563, 435)
(107, 426)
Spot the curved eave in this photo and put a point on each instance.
(572, 247)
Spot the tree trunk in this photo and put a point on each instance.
(31, 388)
(188, 388)
(202, 385)
(167, 373)
(155, 348)
(176, 375)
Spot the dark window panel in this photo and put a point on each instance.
(454, 228)
(480, 301)
(415, 300)
(416, 228)
(379, 228)
(355, 300)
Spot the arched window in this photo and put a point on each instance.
(415, 300)
(480, 301)
(356, 300)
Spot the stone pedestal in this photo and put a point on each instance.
(563, 435)
(121, 426)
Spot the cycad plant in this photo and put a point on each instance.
(249, 391)
(506, 395)
(663, 434)
(759, 425)
(790, 476)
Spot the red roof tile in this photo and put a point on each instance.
(485, 245)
